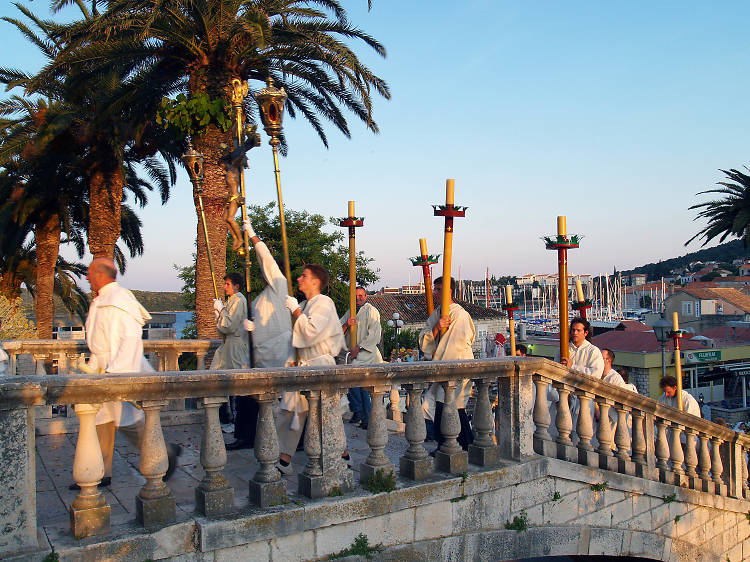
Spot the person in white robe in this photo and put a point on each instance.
(272, 345)
(454, 344)
(114, 334)
(613, 377)
(366, 351)
(317, 335)
(669, 397)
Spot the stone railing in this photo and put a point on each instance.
(521, 427)
(643, 437)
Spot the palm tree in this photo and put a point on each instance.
(201, 46)
(729, 215)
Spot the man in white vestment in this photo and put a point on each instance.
(583, 355)
(366, 351)
(233, 354)
(669, 397)
(114, 334)
(272, 345)
(613, 377)
(454, 344)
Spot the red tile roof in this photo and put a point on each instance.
(633, 325)
(413, 308)
(637, 342)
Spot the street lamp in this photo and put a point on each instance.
(396, 324)
(662, 328)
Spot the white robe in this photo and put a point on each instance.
(114, 334)
(613, 377)
(454, 344)
(317, 332)
(689, 404)
(368, 335)
(233, 352)
(587, 359)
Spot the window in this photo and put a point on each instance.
(687, 308)
(698, 309)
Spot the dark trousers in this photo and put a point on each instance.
(360, 401)
(245, 419)
(465, 437)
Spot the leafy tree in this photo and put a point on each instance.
(728, 215)
(198, 48)
(15, 326)
(407, 338)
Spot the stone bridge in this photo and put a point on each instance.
(542, 478)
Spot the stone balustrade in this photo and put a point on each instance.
(663, 444)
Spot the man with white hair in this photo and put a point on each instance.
(114, 334)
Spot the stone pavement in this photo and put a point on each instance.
(54, 468)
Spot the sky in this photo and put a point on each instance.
(615, 114)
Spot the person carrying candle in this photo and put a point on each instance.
(366, 351)
(454, 343)
(583, 355)
(669, 397)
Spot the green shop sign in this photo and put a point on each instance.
(702, 356)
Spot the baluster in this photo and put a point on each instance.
(89, 512)
(662, 451)
(717, 466)
(704, 463)
(415, 463)
(450, 457)
(691, 458)
(377, 438)
(543, 444)
(677, 456)
(267, 487)
(639, 445)
(200, 357)
(311, 479)
(213, 496)
(604, 435)
(155, 503)
(622, 440)
(394, 405)
(483, 451)
(585, 430)
(564, 424)
(743, 461)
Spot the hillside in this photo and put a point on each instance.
(154, 301)
(723, 253)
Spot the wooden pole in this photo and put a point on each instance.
(677, 359)
(511, 321)
(426, 275)
(352, 279)
(445, 301)
(562, 291)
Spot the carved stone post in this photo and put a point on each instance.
(717, 467)
(586, 454)
(607, 460)
(639, 446)
(662, 452)
(514, 423)
(623, 442)
(213, 496)
(691, 458)
(394, 408)
(377, 438)
(745, 487)
(704, 464)
(415, 463)
(200, 357)
(310, 480)
(677, 456)
(267, 487)
(450, 457)
(543, 444)
(483, 451)
(564, 422)
(89, 512)
(155, 503)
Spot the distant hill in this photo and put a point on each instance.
(155, 301)
(723, 253)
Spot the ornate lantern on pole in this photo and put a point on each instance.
(425, 260)
(271, 101)
(193, 161)
(662, 328)
(351, 222)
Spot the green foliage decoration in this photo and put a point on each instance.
(381, 481)
(191, 116)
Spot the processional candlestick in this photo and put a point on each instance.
(352, 222)
(510, 308)
(583, 304)
(449, 211)
(425, 260)
(271, 101)
(676, 334)
(193, 161)
(562, 244)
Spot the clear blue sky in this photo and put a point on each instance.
(614, 114)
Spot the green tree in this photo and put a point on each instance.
(15, 326)
(198, 48)
(407, 338)
(728, 215)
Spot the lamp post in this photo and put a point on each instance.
(396, 323)
(662, 328)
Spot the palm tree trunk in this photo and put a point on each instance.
(105, 197)
(47, 237)
(214, 202)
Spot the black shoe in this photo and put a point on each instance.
(239, 444)
(363, 425)
(356, 418)
(173, 451)
(106, 481)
